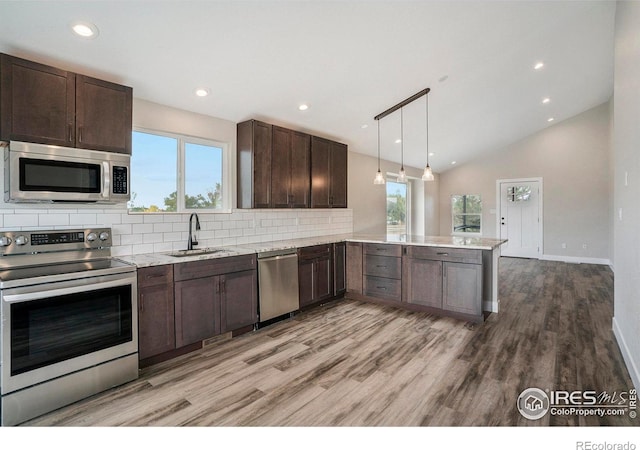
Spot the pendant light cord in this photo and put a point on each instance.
(426, 101)
(402, 139)
(378, 145)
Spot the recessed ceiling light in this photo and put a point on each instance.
(303, 107)
(85, 29)
(550, 119)
(539, 65)
(431, 154)
(364, 126)
(398, 141)
(443, 78)
(453, 163)
(546, 100)
(202, 92)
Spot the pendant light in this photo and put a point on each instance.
(428, 174)
(379, 179)
(402, 176)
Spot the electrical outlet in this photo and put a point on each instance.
(584, 246)
(564, 245)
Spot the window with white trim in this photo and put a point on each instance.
(176, 173)
(466, 214)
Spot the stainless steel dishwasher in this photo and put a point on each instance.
(277, 283)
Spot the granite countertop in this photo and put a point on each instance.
(157, 259)
(473, 243)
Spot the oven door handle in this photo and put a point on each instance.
(29, 296)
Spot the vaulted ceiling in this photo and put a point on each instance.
(347, 60)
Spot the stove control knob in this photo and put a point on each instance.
(92, 237)
(5, 241)
(104, 236)
(21, 240)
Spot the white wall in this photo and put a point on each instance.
(572, 157)
(152, 233)
(626, 141)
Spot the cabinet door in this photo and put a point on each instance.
(197, 310)
(339, 268)
(306, 279)
(323, 279)
(320, 168)
(280, 167)
(261, 165)
(338, 175)
(422, 282)
(462, 288)
(103, 115)
(156, 328)
(354, 267)
(300, 170)
(37, 103)
(239, 300)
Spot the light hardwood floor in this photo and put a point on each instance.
(355, 363)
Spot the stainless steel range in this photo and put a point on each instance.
(68, 320)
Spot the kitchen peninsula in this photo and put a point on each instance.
(450, 275)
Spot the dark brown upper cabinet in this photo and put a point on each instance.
(254, 164)
(46, 105)
(290, 169)
(279, 168)
(328, 174)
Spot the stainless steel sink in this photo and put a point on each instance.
(196, 252)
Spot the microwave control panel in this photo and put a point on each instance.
(120, 180)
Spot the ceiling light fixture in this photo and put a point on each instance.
(546, 100)
(431, 154)
(427, 175)
(303, 107)
(202, 92)
(85, 29)
(539, 65)
(402, 175)
(379, 179)
(364, 126)
(453, 163)
(550, 119)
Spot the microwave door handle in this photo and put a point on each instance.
(106, 186)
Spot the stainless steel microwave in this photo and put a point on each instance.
(49, 173)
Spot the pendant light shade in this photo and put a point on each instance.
(379, 179)
(427, 175)
(402, 176)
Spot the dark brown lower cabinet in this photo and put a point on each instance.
(197, 310)
(422, 282)
(462, 290)
(315, 276)
(156, 326)
(239, 300)
(339, 268)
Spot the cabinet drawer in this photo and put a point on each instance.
(446, 254)
(215, 266)
(383, 266)
(155, 275)
(315, 251)
(382, 288)
(383, 249)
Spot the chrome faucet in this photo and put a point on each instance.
(193, 239)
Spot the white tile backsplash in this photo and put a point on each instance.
(156, 233)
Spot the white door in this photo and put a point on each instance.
(520, 220)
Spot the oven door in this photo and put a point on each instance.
(54, 329)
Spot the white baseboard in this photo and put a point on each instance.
(577, 259)
(632, 367)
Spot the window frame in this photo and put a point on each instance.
(408, 185)
(227, 170)
(453, 215)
